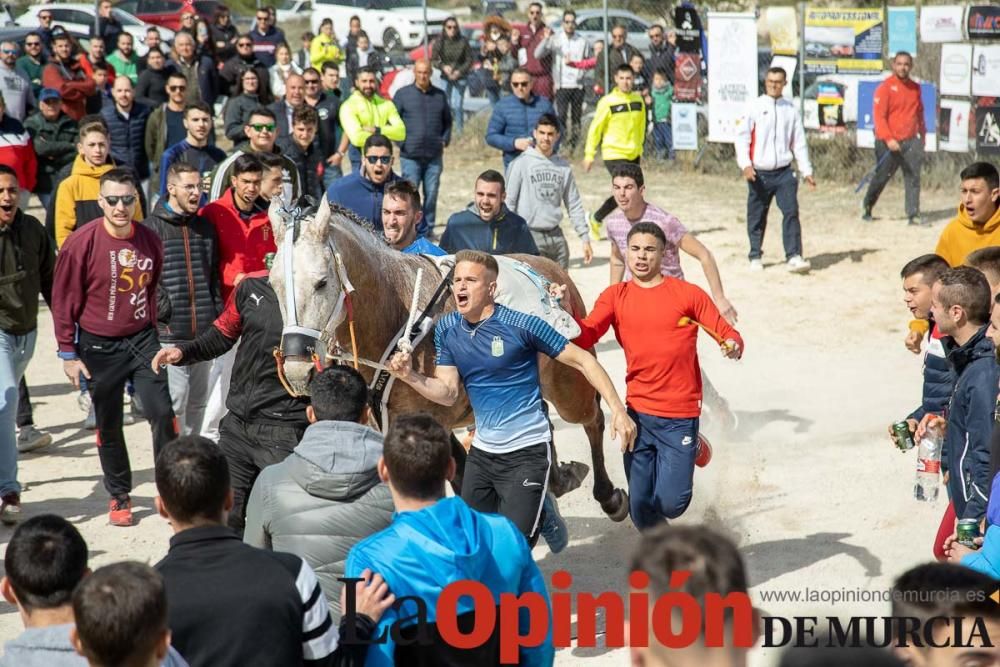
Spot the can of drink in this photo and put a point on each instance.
(269, 260)
(968, 531)
(901, 434)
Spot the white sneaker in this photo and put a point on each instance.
(798, 265)
(756, 265)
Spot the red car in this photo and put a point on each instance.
(167, 13)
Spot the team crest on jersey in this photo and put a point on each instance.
(127, 258)
(497, 346)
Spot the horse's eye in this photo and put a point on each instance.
(321, 284)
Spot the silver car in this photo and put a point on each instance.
(590, 24)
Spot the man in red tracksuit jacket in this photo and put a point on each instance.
(899, 137)
(654, 319)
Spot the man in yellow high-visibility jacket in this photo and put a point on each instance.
(619, 128)
(365, 113)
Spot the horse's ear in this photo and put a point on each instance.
(277, 222)
(317, 227)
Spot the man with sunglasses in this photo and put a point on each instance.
(27, 259)
(244, 59)
(65, 75)
(104, 312)
(265, 38)
(363, 191)
(327, 106)
(366, 113)
(661, 52)
(261, 131)
(538, 62)
(15, 86)
(453, 56)
(165, 126)
(515, 117)
(33, 61)
(45, 29)
(568, 48)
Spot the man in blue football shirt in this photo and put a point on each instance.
(493, 352)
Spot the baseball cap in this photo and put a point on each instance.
(48, 94)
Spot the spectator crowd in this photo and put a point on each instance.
(298, 528)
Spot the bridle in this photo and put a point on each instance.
(299, 343)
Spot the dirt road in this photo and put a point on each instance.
(809, 485)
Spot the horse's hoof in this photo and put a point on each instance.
(571, 476)
(616, 507)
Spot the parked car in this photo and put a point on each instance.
(79, 18)
(391, 24)
(590, 24)
(167, 13)
(289, 10)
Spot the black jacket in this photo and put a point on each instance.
(234, 67)
(151, 89)
(190, 278)
(27, 260)
(128, 137)
(310, 164)
(55, 146)
(233, 604)
(252, 317)
(427, 118)
(970, 422)
(328, 109)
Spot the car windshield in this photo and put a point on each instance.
(286, 4)
(124, 17)
(390, 4)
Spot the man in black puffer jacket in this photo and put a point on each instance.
(190, 282)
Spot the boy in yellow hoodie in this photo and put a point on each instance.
(978, 222)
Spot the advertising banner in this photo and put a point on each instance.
(783, 29)
(684, 117)
(983, 22)
(986, 70)
(902, 26)
(844, 41)
(956, 69)
(988, 130)
(688, 27)
(953, 126)
(732, 72)
(941, 23)
(866, 119)
(687, 77)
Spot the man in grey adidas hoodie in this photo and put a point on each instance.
(539, 184)
(326, 496)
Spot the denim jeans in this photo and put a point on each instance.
(354, 155)
(780, 184)
(660, 468)
(428, 175)
(15, 353)
(663, 141)
(189, 391)
(331, 173)
(455, 90)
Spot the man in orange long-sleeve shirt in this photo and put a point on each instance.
(899, 137)
(662, 373)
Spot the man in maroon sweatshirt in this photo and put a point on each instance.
(104, 314)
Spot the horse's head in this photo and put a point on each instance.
(306, 279)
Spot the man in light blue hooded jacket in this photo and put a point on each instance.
(435, 541)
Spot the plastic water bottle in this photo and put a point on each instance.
(928, 466)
